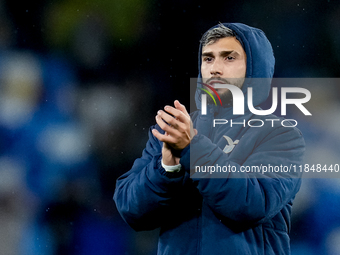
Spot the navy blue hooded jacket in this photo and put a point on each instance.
(241, 213)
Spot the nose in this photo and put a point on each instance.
(217, 68)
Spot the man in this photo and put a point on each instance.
(240, 213)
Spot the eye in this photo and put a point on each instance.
(207, 59)
(230, 58)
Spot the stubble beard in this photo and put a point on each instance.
(226, 97)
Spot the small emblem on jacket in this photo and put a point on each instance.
(231, 144)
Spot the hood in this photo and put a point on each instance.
(260, 62)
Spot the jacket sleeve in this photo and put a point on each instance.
(248, 197)
(145, 194)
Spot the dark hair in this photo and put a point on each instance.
(214, 34)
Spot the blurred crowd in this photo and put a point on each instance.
(80, 83)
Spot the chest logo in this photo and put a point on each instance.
(231, 144)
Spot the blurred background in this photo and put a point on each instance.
(81, 82)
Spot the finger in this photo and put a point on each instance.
(182, 117)
(173, 122)
(171, 131)
(161, 137)
(181, 107)
(157, 134)
(164, 126)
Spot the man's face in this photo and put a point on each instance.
(224, 61)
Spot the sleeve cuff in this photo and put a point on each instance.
(172, 169)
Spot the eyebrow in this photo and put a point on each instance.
(221, 53)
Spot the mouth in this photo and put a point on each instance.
(214, 82)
